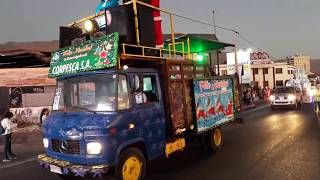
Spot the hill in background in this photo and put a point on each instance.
(46, 46)
(315, 65)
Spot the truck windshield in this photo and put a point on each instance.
(94, 93)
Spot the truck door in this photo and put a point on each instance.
(150, 110)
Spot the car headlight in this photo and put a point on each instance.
(94, 148)
(45, 142)
(291, 97)
(272, 98)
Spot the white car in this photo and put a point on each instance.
(286, 97)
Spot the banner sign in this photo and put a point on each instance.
(259, 55)
(244, 68)
(89, 56)
(214, 100)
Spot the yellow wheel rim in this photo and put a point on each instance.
(131, 169)
(217, 137)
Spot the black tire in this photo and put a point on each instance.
(134, 155)
(213, 142)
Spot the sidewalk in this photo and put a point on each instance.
(26, 145)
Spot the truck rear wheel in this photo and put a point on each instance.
(213, 140)
(131, 165)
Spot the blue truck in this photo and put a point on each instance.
(119, 105)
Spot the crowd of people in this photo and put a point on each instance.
(249, 95)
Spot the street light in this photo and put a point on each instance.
(88, 25)
(200, 58)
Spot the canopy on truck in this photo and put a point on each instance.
(197, 43)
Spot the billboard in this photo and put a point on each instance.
(214, 100)
(260, 57)
(91, 55)
(244, 68)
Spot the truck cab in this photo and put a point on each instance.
(97, 115)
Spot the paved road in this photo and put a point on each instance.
(283, 144)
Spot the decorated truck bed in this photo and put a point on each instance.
(198, 100)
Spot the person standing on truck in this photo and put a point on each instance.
(317, 100)
(7, 124)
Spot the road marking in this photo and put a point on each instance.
(9, 165)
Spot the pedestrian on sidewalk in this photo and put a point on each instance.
(7, 124)
(267, 94)
(317, 100)
(44, 114)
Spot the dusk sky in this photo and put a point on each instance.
(280, 27)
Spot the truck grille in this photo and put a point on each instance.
(66, 146)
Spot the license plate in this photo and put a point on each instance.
(281, 98)
(55, 169)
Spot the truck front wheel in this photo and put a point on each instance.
(214, 140)
(131, 165)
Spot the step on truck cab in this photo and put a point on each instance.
(118, 105)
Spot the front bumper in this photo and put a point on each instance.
(67, 168)
(283, 103)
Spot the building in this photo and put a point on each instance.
(25, 88)
(301, 62)
(266, 73)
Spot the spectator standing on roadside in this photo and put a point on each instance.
(317, 100)
(7, 124)
(44, 114)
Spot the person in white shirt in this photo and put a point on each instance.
(44, 114)
(8, 126)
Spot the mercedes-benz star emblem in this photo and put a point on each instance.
(63, 146)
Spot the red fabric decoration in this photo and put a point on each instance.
(157, 24)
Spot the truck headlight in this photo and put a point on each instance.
(291, 97)
(94, 148)
(45, 142)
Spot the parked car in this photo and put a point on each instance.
(286, 97)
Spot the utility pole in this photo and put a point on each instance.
(215, 33)
(214, 23)
(236, 34)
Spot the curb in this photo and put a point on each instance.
(9, 165)
(247, 107)
(257, 108)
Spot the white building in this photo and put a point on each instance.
(266, 73)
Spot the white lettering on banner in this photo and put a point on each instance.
(71, 67)
(85, 64)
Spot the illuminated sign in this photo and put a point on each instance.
(244, 68)
(88, 56)
(259, 55)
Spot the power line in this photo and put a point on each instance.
(205, 23)
(223, 28)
